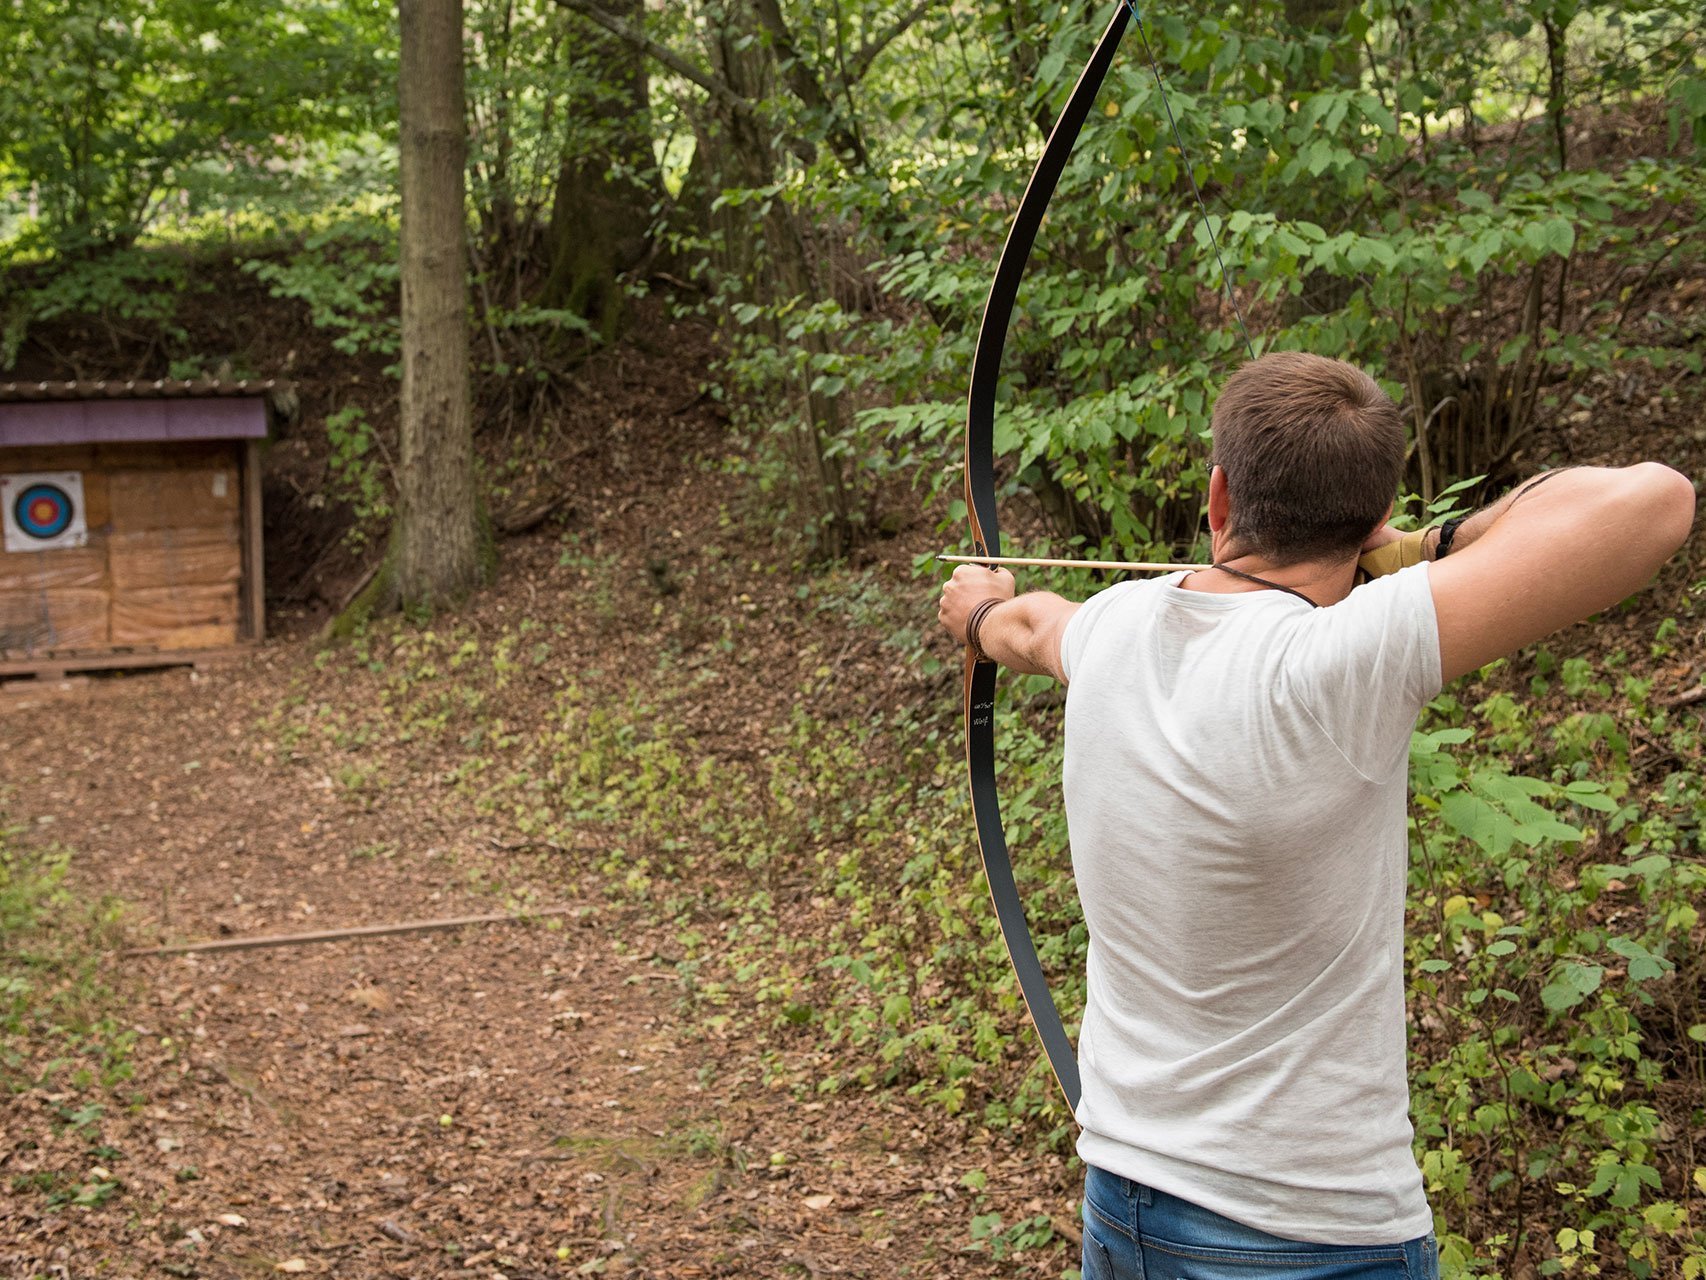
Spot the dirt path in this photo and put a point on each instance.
(499, 1101)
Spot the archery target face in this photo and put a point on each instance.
(43, 511)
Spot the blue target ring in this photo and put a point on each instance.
(43, 511)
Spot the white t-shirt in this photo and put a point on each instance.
(1235, 782)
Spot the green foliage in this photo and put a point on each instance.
(61, 1027)
(347, 274)
(356, 463)
(194, 120)
(113, 106)
(1555, 994)
(1401, 191)
(49, 978)
(1481, 203)
(122, 288)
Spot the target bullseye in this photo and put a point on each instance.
(44, 511)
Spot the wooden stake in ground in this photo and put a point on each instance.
(338, 935)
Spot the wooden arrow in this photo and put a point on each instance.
(1136, 566)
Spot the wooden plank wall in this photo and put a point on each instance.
(164, 561)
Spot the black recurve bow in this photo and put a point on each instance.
(986, 541)
(986, 530)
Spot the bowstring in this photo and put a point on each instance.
(1190, 175)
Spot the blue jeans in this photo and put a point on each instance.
(1134, 1232)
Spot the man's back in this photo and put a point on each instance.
(1235, 785)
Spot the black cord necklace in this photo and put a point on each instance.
(1263, 582)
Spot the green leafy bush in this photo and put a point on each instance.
(1398, 187)
(346, 271)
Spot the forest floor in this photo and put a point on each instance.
(533, 1100)
(465, 1102)
(504, 1100)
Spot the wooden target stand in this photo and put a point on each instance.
(132, 515)
(20, 676)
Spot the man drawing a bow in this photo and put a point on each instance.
(1235, 772)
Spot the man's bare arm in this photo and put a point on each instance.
(1551, 553)
(1024, 633)
(1021, 632)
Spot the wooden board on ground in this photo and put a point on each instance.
(52, 668)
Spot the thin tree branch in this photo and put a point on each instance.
(873, 48)
(804, 81)
(662, 53)
(846, 77)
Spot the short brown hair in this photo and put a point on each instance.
(1312, 449)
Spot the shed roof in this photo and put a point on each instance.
(136, 389)
(67, 413)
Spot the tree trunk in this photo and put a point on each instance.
(437, 540)
(607, 185)
(767, 249)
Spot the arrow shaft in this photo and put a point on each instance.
(1139, 566)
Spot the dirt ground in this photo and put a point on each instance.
(499, 1100)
